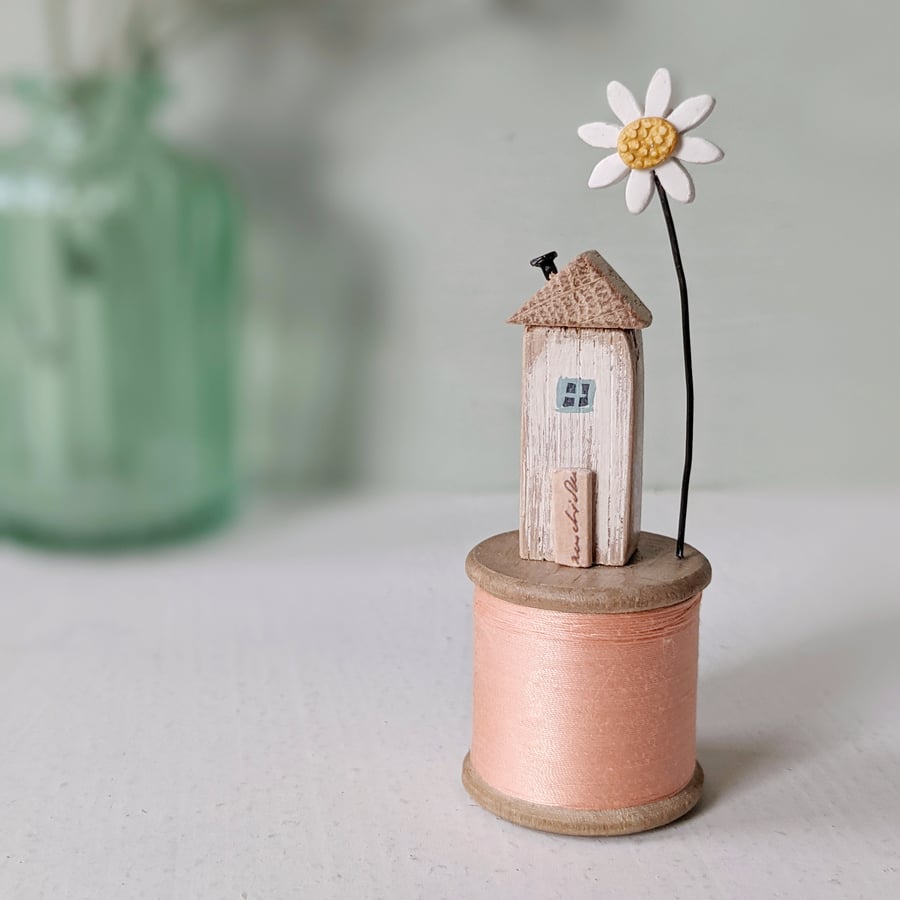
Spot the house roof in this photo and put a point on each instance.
(587, 293)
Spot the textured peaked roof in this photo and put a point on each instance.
(587, 293)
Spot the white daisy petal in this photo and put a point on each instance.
(608, 171)
(599, 134)
(622, 102)
(639, 190)
(691, 112)
(670, 176)
(676, 181)
(659, 94)
(697, 150)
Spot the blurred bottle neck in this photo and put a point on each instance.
(83, 122)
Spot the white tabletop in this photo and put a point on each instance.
(281, 711)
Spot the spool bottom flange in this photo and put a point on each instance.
(583, 822)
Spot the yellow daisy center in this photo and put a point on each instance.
(645, 143)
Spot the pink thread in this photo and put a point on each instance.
(585, 710)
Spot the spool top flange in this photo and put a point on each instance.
(653, 578)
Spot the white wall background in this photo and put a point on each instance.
(399, 183)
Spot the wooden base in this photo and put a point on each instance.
(584, 822)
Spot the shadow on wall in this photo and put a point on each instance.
(311, 285)
(313, 306)
(550, 10)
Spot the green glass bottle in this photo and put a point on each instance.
(118, 285)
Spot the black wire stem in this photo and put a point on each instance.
(688, 368)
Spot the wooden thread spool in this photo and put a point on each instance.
(528, 614)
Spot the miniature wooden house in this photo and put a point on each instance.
(582, 417)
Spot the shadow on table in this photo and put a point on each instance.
(789, 700)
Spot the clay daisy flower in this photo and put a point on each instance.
(652, 142)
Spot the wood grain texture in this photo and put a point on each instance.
(573, 517)
(608, 439)
(586, 823)
(654, 578)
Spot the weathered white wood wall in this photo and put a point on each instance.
(607, 440)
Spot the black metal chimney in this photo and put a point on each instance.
(545, 263)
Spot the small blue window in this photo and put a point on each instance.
(575, 394)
